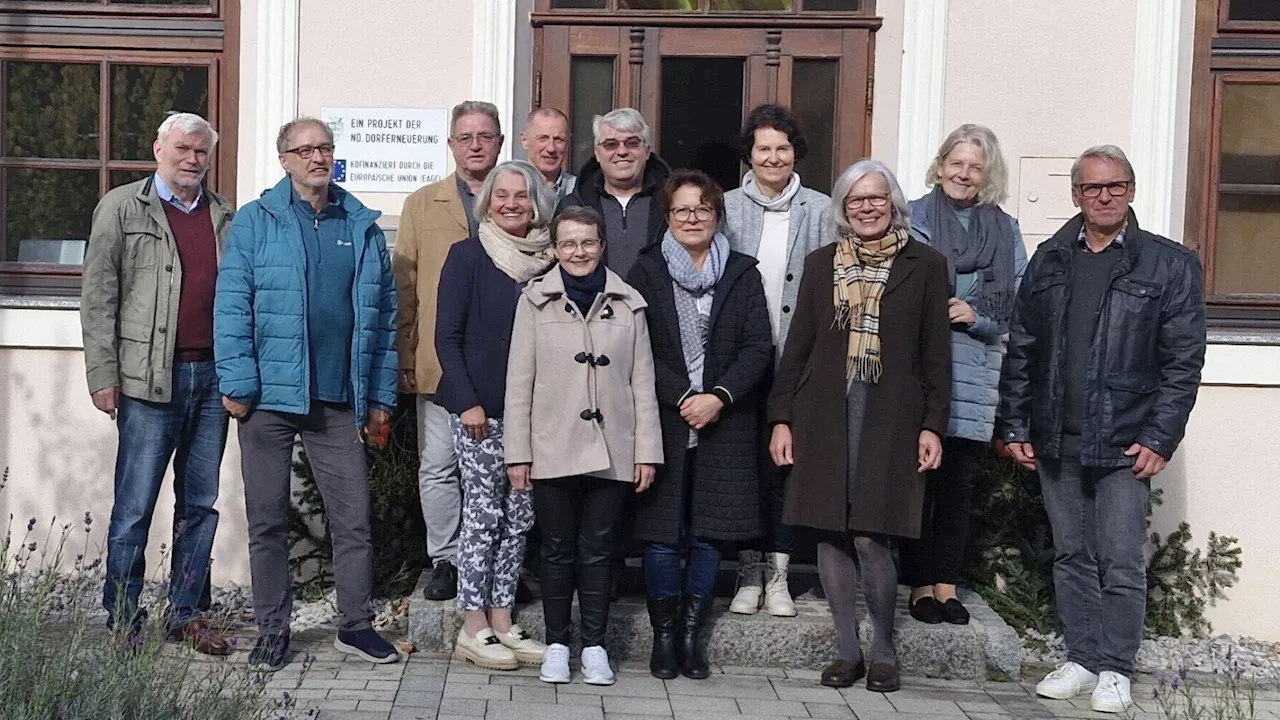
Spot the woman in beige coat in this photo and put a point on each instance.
(582, 423)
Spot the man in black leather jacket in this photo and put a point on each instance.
(1105, 350)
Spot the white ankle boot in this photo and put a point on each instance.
(777, 596)
(750, 583)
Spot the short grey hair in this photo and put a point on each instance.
(288, 129)
(899, 213)
(475, 107)
(1105, 152)
(187, 124)
(995, 174)
(625, 119)
(541, 195)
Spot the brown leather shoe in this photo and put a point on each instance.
(842, 673)
(197, 634)
(883, 678)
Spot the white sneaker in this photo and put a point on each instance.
(1068, 681)
(555, 664)
(1112, 695)
(595, 666)
(777, 596)
(484, 650)
(750, 583)
(528, 651)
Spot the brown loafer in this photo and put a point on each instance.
(842, 673)
(197, 634)
(883, 678)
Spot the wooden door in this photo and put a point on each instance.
(695, 78)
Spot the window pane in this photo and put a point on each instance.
(813, 97)
(51, 110)
(657, 4)
(577, 4)
(44, 204)
(1246, 256)
(124, 177)
(1254, 10)
(750, 5)
(702, 116)
(1250, 133)
(832, 5)
(591, 80)
(159, 2)
(142, 95)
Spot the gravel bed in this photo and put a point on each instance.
(1250, 658)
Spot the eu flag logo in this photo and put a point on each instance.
(339, 170)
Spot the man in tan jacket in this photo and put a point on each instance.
(434, 218)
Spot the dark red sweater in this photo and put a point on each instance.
(198, 253)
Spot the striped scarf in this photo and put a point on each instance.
(861, 273)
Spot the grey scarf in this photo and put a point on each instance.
(782, 203)
(985, 249)
(690, 284)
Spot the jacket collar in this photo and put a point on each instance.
(451, 196)
(1067, 238)
(219, 208)
(550, 286)
(276, 200)
(591, 178)
(735, 267)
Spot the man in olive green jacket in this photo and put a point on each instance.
(146, 310)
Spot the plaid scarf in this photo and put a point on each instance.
(861, 272)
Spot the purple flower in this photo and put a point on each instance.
(31, 546)
(88, 518)
(31, 524)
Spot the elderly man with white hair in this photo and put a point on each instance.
(146, 309)
(622, 183)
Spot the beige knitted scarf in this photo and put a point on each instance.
(521, 258)
(861, 273)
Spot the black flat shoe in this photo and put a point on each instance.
(927, 610)
(883, 678)
(843, 674)
(954, 612)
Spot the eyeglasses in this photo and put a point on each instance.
(611, 145)
(857, 203)
(485, 138)
(702, 213)
(306, 151)
(1114, 189)
(587, 246)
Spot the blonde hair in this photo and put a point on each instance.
(995, 174)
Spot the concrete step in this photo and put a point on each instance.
(986, 648)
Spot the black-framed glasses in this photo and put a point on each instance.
(631, 143)
(306, 151)
(587, 246)
(485, 138)
(1114, 189)
(857, 203)
(702, 213)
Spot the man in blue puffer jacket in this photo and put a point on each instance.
(304, 339)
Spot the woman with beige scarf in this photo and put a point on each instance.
(480, 286)
(859, 406)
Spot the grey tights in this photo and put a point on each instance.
(839, 572)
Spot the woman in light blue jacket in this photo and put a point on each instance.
(778, 221)
(962, 219)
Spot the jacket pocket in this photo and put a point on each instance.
(143, 244)
(1130, 397)
(135, 350)
(1135, 305)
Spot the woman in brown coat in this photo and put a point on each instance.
(860, 403)
(582, 423)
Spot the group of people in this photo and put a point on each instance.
(632, 353)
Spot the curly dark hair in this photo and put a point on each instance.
(709, 189)
(778, 117)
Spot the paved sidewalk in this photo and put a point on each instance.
(432, 687)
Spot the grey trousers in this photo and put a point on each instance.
(438, 485)
(1098, 517)
(337, 458)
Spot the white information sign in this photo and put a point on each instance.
(396, 150)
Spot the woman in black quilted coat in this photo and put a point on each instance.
(712, 342)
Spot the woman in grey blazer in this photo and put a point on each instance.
(778, 221)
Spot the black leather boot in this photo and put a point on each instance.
(693, 616)
(663, 662)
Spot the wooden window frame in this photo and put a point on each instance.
(213, 44)
(1223, 52)
(865, 8)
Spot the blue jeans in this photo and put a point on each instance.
(190, 429)
(1098, 517)
(662, 569)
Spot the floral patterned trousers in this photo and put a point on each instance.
(495, 519)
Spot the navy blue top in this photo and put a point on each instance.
(331, 268)
(475, 310)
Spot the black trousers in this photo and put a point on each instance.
(937, 558)
(579, 517)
